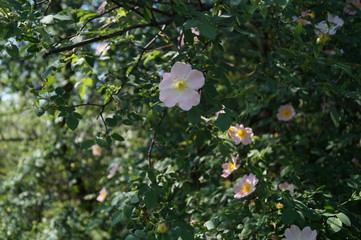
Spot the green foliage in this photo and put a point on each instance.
(72, 78)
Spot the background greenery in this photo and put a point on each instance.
(56, 103)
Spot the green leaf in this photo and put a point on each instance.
(150, 199)
(117, 137)
(194, 115)
(39, 111)
(62, 17)
(12, 50)
(87, 82)
(344, 219)
(223, 121)
(335, 116)
(47, 71)
(72, 122)
(207, 30)
(334, 223)
(111, 122)
(289, 216)
(87, 144)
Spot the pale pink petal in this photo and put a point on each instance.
(308, 234)
(101, 8)
(293, 232)
(113, 170)
(195, 79)
(169, 97)
(167, 82)
(180, 70)
(188, 98)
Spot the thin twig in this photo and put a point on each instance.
(47, 8)
(98, 16)
(103, 37)
(152, 142)
(86, 104)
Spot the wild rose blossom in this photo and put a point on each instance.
(294, 233)
(180, 86)
(246, 186)
(287, 186)
(102, 195)
(330, 27)
(353, 4)
(96, 150)
(101, 8)
(285, 112)
(240, 134)
(113, 170)
(101, 49)
(228, 168)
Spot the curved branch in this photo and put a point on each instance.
(103, 37)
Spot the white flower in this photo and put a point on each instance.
(330, 27)
(180, 86)
(294, 233)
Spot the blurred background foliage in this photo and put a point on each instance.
(79, 73)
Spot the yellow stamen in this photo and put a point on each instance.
(242, 133)
(231, 166)
(246, 188)
(180, 85)
(301, 21)
(286, 113)
(231, 130)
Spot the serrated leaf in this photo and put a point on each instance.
(72, 122)
(334, 223)
(207, 30)
(150, 199)
(47, 71)
(289, 216)
(335, 116)
(87, 144)
(194, 115)
(87, 82)
(117, 137)
(344, 219)
(223, 121)
(12, 50)
(62, 17)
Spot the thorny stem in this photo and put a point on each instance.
(152, 142)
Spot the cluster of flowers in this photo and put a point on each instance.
(180, 86)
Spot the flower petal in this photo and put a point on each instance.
(169, 97)
(180, 70)
(195, 79)
(293, 232)
(167, 82)
(188, 98)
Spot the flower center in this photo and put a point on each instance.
(180, 85)
(230, 166)
(301, 21)
(246, 188)
(286, 113)
(241, 133)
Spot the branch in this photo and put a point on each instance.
(98, 16)
(152, 142)
(103, 37)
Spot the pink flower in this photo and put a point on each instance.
(101, 8)
(287, 186)
(285, 112)
(97, 151)
(228, 168)
(101, 49)
(307, 13)
(353, 5)
(113, 171)
(246, 186)
(194, 31)
(240, 134)
(180, 86)
(294, 233)
(102, 195)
